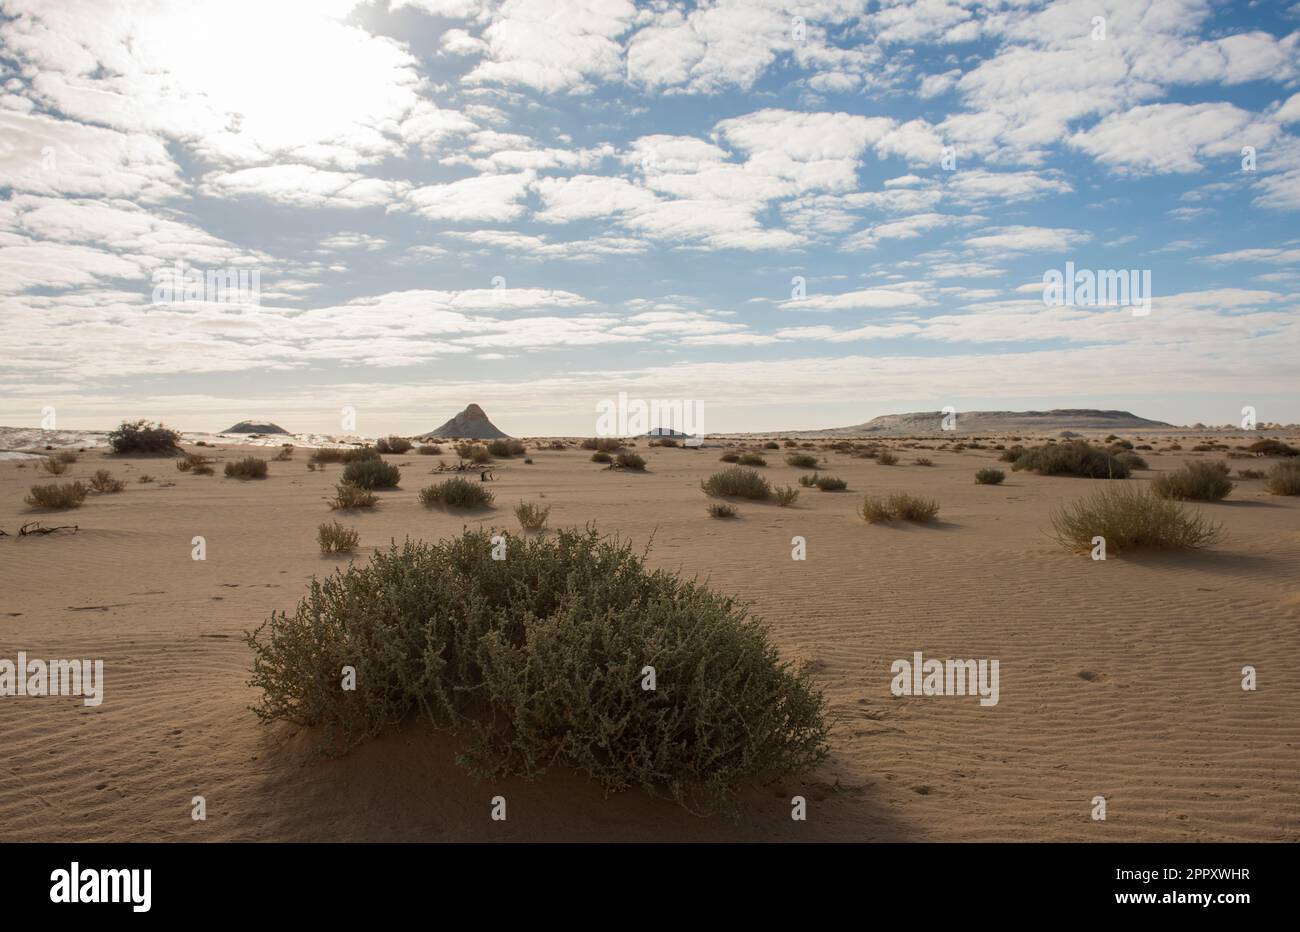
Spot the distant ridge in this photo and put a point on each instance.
(989, 422)
(252, 427)
(470, 424)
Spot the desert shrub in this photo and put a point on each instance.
(801, 461)
(1131, 460)
(737, 482)
(898, 507)
(429, 449)
(785, 495)
(335, 538)
(1250, 473)
(730, 457)
(456, 493)
(1117, 445)
(808, 481)
(752, 459)
(1011, 454)
(505, 448)
(1076, 458)
(249, 467)
(535, 661)
(603, 444)
(923, 461)
(1203, 448)
(144, 437)
(352, 455)
(397, 445)
(1131, 517)
(989, 476)
(192, 462)
(600, 456)
(104, 482)
(830, 484)
(285, 454)
(722, 510)
(528, 461)
(1199, 482)
(1284, 479)
(631, 461)
(348, 496)
(53, 466)
(56, 495)
(372, 474)
(771, 445)
(1271, 446)
(885, 458)
(532, 517)
(145, 478)
(474, 452)
(66, 457)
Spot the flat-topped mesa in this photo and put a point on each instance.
(470, 424)
(255, 427)
(991, 422)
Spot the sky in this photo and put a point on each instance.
(790, 215)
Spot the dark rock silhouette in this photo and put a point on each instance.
(253, 427)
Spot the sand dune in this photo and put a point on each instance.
(1119, 679)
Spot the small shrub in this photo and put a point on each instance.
(195, 463)
(456, 493)
(1271, 446)
(1199, 482)
(249, 467)
(1011, 454)
(535, 660)
(285, 454)
(429, 449)
(1250, 473)
(631, 461)
(56, 495)
(335, 538)
(1131, 460)
(532, 517)
(335, 455)
(372, 474)
(145, 478)
(474, 452)
(505, 448)
(830, 484)
(1284, 479)
(1131, 517)
(722, 510)
(809, 481)
(898, 507)
(923, 461)
(104, 483)
(752, 459)
(348, 496)
(53, 466)
(885, 458)
(144, 437)
(801, 461)
(395, 445)
(737, 482)
(1076, 458)
(600, 456)
(66, 457)
(771, 445)
(785, 495)
(730, 457)
(989, 476)
(603, 444)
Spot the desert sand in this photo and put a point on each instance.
(1119, 678)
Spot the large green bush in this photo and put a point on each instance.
(144, 437)
(372, 474)
(1076, 458)
(538, 660)
(736, 482)
(1196, 481)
